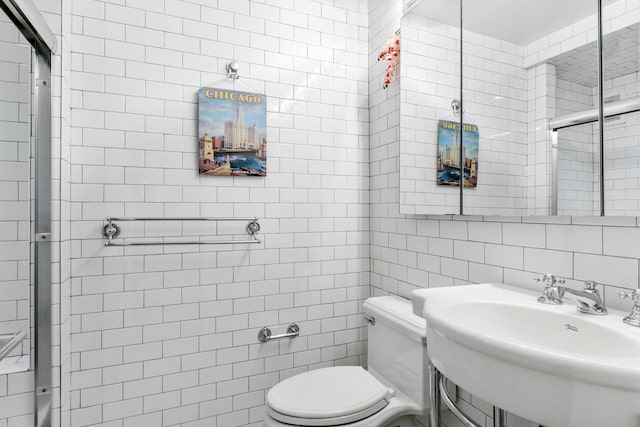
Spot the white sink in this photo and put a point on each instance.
(549, 364)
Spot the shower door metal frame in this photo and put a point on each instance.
(31, 24)
(42, 279)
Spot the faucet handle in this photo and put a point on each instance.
(549, 279)
(635, 295)
(551, 293)
(633, 318)
(590, 285)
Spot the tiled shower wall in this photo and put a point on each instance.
(164, 336)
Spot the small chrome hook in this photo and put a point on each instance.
(456, 106)
(232, 70)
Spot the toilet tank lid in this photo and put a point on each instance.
(397, 312)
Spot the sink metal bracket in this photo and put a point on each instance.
(440, 394)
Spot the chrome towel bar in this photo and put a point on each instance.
(265, 333)
(253, 219)
(211, 242)
(112, 230)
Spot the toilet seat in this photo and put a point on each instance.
(327, 397)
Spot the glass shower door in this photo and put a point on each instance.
(26, 243)
(16, 200)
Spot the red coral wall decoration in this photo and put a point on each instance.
(390, 54)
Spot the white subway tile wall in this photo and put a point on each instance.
(166, 336)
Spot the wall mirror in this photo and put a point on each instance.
(527, 77)
(16, 197)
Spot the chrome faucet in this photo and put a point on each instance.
(589, 300)
(551, 293)
(633, 318)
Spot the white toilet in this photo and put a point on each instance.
(393, 390)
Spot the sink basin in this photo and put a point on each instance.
(549, 364)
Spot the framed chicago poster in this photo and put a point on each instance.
(449, 153)
(232, 129)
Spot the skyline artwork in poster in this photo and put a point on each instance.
(232, 133)
(449, 153)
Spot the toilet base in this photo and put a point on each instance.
(406, 421)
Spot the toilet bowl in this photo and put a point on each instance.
(390, 392)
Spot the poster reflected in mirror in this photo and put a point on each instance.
(232, 133)
(449, 153)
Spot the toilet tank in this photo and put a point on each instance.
(397, 349)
